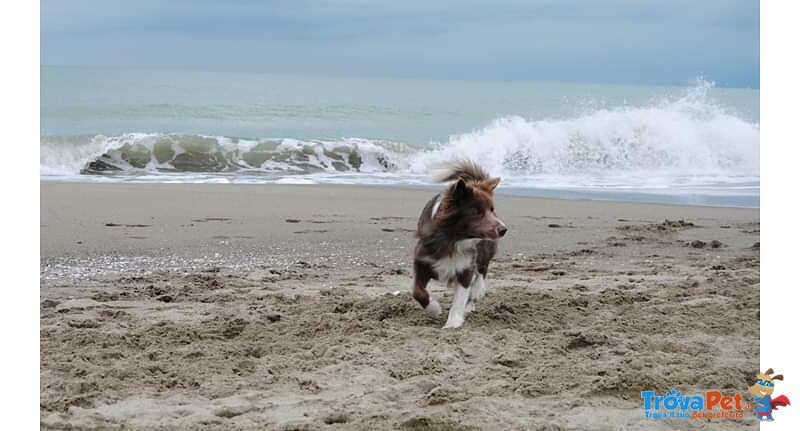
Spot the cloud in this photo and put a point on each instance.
(636, 41)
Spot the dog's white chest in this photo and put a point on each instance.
(462, 258)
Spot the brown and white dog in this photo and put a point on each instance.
(458, 232)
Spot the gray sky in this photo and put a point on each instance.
(617, 41)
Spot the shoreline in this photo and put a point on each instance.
(645, 196)
(287, 307)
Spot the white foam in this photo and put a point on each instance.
(69, 155)
(660, 145)
(292, 180)
(681, 145)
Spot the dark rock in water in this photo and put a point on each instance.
(715, 244)
(99, 166)
(354, 159)
(191, 153)
(200, 162)
(332, 155)
(383, 161)
(756, 246)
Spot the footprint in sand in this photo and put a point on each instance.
(206, 219)
(399, 229)
(311, 231)
(126, 225)
(294, 220)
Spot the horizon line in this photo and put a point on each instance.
(689, 82)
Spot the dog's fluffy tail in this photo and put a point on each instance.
(459, 169)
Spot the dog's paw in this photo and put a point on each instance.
(433, 308)
(476, 293)
(453, 322)
(470, 307)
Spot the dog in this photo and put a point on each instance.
(457, 233)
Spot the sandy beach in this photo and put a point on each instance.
(287, 307)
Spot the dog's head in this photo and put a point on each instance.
(468, 210)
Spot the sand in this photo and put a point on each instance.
(287, 307)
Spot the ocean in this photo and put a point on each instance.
(696, 144)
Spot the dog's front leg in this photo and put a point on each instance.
(458, 310)
(423, 274)
(486, 251)
(478, 289)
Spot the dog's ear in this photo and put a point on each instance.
(460, 190)
(492, 183)
(778, 377)
(769, 371)
(750, 382)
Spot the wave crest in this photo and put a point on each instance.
(174, 153)
(690, 136)
(681, 141)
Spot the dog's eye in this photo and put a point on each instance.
(492, 210)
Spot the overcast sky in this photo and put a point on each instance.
(617, 41)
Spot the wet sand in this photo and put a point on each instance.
(288, 307)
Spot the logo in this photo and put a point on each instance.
(762, 388)
(709, 405)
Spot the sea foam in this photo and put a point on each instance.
(681, 142)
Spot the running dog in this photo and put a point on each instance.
(458, 232)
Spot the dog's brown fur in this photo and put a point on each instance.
(465, 211)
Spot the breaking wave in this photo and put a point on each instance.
(691, 139)
(136, 153)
